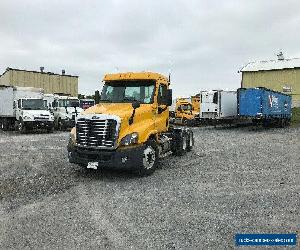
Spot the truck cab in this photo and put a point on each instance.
(31, 113)
(184, 111)
(64, 108)
(129, 128)
(23, 108)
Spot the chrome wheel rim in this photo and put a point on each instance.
(20, 126)
(149, 157)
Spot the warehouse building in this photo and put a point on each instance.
(282, 75)
(51, 83)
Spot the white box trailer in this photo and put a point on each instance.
(23, 108)
(6, 101)
(218, 105)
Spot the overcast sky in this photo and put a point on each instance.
(203, 43)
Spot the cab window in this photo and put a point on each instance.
(162, 94)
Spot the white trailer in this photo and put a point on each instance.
(23, 108)
(218, 106)
(64, 108)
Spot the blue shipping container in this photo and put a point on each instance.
(263, 103)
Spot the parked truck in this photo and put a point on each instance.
(129, 128)
(195, 100)
(64, 108)
(264, 106)
(23, 108)
(218, 107)
(181, 111)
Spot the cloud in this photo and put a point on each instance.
(204, 43)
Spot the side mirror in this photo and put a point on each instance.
(169, 97)
(179, 108)
(135, 105)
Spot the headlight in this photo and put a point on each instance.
(130, 139)
(73, 136)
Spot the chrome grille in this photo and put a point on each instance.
(96, 133)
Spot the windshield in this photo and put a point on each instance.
(128, 91)
(68, 103)
(34, 104)
(186, 107)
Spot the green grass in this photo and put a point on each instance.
(295, 117)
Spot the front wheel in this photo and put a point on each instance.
(50, 129)
(150, 159)
(21, 126)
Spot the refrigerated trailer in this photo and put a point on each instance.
(265, 106)
(218, 106)
(23, 108)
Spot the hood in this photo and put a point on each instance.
(123, 110)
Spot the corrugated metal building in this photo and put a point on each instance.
(282, 75)
(50, 82)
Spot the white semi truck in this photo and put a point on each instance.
(23, 108)
(64, 108)
(218, 106)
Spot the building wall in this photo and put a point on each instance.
(51, 83)
(4, 79)
(276, 80)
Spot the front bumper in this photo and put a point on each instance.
(123, 158)
(39, 124)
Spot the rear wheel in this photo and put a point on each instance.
(150, 159)
(180, 143)
(4, 124)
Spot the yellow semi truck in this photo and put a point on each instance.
(185, 110)
(129, 128)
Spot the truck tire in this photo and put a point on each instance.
(60, 125)
(150, 159)
(21, 126)
(181, 145)
(4, 124)
(50, 129)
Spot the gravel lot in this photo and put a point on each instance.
(237, 180)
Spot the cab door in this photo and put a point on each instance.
(162, 111)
